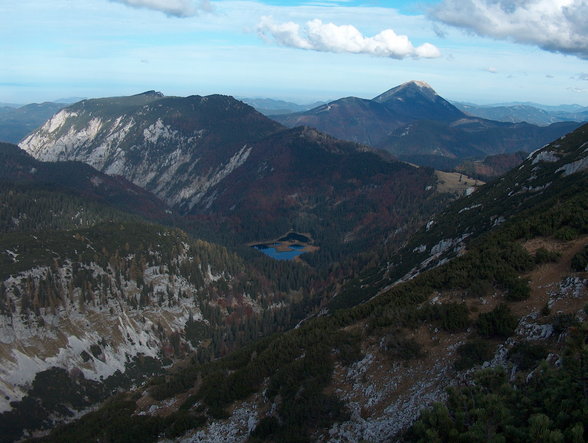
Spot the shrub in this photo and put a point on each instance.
(580, 260)
(454, 317)
(473, 353)
(526, 355)
(400, 347)
(561, 322)
(518, 289)
(543, 255)
(500, 323)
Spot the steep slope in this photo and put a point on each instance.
(177, 148)
(443, 145)
(77, 179)
(418, 101)
(506, 298)
(93, 299)
(354, 119)
(217, 160)
(492, 166)
(415, 124)
(16, 123)
(538, 179)
(340, 193)
(107, 305)
(369, 121)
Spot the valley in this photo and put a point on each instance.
(185, 268)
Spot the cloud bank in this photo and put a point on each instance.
(328, 37)
(553, 25)
(174, 8)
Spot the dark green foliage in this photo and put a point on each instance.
(551, 406)
(451, 317)
(115, 423)
(298, 365)
(526, 355)
(268, 429)
(561, 322)
(34, 208)
(498, 323)
(543, 255)
(55, 393)
(493, 260)
(348, 349)
(518, 289)
(473, 353)
(480, 288)
(398, 346)
(195, 331)
(580, 260)
(566, 233)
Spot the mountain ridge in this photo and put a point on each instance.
(415, 124)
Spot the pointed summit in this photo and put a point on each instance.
(417, 100)
(408, 90)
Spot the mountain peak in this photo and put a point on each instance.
(411, 89)
(151, 93)
(418, 83)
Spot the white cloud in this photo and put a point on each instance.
(553, 25)
(176, 8)
(328, 37)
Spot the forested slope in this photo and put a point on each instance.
(509, 297)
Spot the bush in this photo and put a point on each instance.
(526, 355)
(518, 289)
(499, 323)
(561, 322)
(580, 260)
(473, 353)
(454, 317)
(543, 255)
(480, 288)
(566, 233)
(400, 347)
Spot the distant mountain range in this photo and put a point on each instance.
(18, 121)
(268, 106)
(531, 113)
(415, 124)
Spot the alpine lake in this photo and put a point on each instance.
(287, 247)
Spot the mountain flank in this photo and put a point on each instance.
(491, 303)
(95, 296)
(219, 162)
(415, 124)
(18, 121)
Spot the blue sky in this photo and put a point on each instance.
(482, 51)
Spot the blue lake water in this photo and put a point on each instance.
(271, 251)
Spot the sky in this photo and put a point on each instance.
(477, 51)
